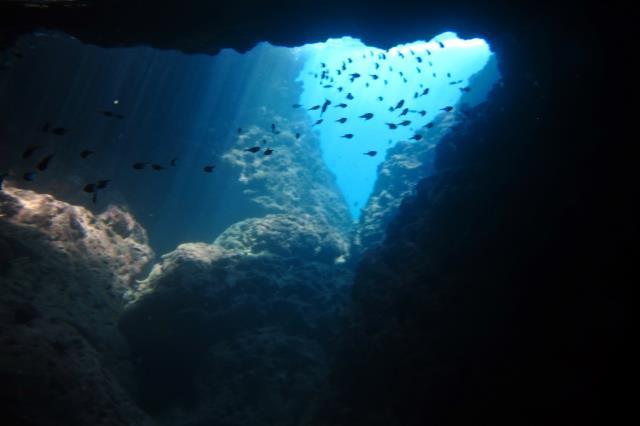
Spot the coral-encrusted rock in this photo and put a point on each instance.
(247, 321)
(63, 276)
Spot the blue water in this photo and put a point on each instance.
(355, 172)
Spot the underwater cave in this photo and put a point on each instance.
(258, 215)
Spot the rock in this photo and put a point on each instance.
(64, 276)
(406, 164)
(246, 323)
(294, 179)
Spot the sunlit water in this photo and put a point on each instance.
(442, 65)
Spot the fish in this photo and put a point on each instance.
(405, 123)
(465, 89)
(367, 116)
(208, 169)
(354, 76)
(60, 131)
(173, 162)
(370, 153)
(30, 150)
(428, 52)
(377, 65)
(326, 103)
(85, 153)
(273, 129)
(447, 109)
(317, 122)
(102, 183)
(347, 136)
(401, 55)
(429, 125)
(264, 141)
(239, 130)
(350, 60)
(404, 112)
(297, 135)
(419, 70)
(29, 176)
(425, 92)
(139, 166)
(157, 167)
(268, 151)
(419, 59)
(404, 79)
(380, 98)
(373, 76)
(323, 65)
(340, 89)
(399, 104)
(366, 84)
(422, 112)
(253, 149)
(350, 96)
(449, 75)
(328, 86)
(44, 163)
(342, 105)
(111, 114)
(341, 120)
(90, 187)
(314, 108)
(416, 137)
(392, 126)
(440, 44)
(296, 106)
(386, 82)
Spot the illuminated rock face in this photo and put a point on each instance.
(64, 277)
(403, 88)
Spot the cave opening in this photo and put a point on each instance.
(376, 98)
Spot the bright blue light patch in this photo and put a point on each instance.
(401, 73)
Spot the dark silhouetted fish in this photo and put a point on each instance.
(340, 89)
(253, 149)
(208, 169)
(90, 187)
(449, 74)
(326, 103)
(425, 92)
(111, 114)
(429, 125)
(341, 120)
(380, 98)
(273, 129)
(30, 150)
(416, 137)
(392, 126)
(377, 65)
(419, 59)
(447, 109)
(323, 65)
(342, 105)
(173, 162)
(296, 106)
(428, 52)
(440, 44)
(370, 153)
(60, 131)
(422, 112)
(404, 123)
(157, 167)
(327, 86)
(44, 163)
(399, 104)
(139, 166)
(374, 76)
(85, 153)
(350, 60)
(313, 108)
(347, 136)
(350, 96)
(401, 55)
(239, 130)
(465, 89)
(268, 151)
(29, 176)
(404, 112)
(317, 122)
(297, 135)
(418, 70)
(354, 76)
(367, 116)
